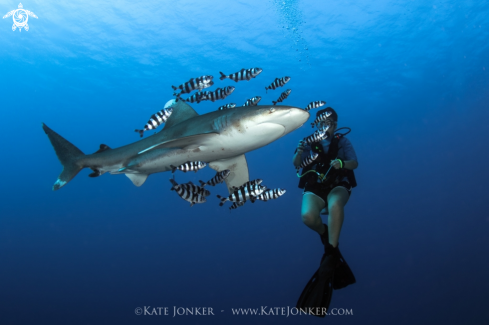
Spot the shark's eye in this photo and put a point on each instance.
(272, 110)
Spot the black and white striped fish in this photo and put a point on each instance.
(321, 117)
(279, 82)
(284, 95)
(308, 160)
(195, 189)
(236, 205)
(219, 93)
(194, 84)
(189, 166)
(227, 106)
(317, 136)
(197, 97)
(156, 120)
(254, 182)
(243, 74)
(252, 101)
(219, 178)
(242, 195)
(186, 194)
(191, 187)
(269, 195)
(315, 104)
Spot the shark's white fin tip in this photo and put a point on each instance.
(58, 184)
(170, 103)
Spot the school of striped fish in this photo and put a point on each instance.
(252, 190)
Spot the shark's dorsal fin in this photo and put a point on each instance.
(103, 147)
(239, 170)
(181, 112)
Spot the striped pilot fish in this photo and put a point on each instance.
(254, 182)
(236, 205)
(186, 194)
(308, 160)
(252, 101)
(156, 120)
(243, 74)
(227, 106)
(279, 82)
(189, 166)
(197, 97)
(219, 178)
(316, 104)
(242, 195)
(219, 93)
(191, 187)
(269, 195)
(317, 136)
(194, 84)
(321, 117)
(284, 95)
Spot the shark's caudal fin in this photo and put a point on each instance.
(67, 154)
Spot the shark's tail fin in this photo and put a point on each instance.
(68, 155)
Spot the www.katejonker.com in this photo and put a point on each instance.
(262, 311)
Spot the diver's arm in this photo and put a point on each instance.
(350, 164)
(350, 161)
(297, 159)
(347, 164)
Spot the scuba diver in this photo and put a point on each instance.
(327, 182)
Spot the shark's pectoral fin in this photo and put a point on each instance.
(137, 179)
(184, 143)
(239, 170)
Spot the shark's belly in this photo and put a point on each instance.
(224, 146)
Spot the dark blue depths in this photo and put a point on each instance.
(411, 80)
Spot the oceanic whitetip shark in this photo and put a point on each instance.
(219, 138)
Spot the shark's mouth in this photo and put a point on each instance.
(270, 130)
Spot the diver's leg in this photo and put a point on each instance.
(311, 206)
(337, 199)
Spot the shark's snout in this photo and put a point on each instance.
(293, 118)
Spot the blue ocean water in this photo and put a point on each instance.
(409, 77)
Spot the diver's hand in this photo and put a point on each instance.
(300, 146)
(337, 164)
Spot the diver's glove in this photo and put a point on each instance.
(300, 146)
(338, 163)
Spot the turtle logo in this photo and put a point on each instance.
(20, 17)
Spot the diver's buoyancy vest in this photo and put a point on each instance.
(322, 164)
